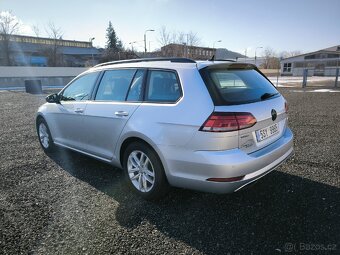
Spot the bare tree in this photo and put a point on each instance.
(9, 25)
(288, 54)
(178, 37)
(271, 61)
(36, 30)
(164, 36)
(52, 53)
(193, 39)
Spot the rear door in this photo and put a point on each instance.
(118, 96)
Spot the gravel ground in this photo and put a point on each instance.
(66, 203)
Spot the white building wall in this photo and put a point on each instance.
(298, 71)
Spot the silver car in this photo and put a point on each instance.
(212, 126)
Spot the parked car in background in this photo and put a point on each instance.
(213, 126)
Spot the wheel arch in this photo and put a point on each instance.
(136, 138)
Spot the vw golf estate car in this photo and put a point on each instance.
(212, 126)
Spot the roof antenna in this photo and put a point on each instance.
(213, 58)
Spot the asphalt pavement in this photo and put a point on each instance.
(66, 203)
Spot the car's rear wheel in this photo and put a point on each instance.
(144, 171)
(44, 135)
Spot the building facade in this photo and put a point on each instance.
(38, 51)
(318, 63)
(196, 52)
(182, 50)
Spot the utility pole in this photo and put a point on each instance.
(91, 40)
(255, 52)
(336, 74)
(148, 30)
(132, 45)
(218, 41)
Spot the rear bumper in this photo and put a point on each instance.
(192, 169)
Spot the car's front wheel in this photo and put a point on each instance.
(144, 171)
(44, 135)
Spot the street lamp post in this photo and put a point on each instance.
(132, 45)
(255, 52)
(91, 40)
(148, 30)
(216, 42)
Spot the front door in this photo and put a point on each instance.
(68, 120)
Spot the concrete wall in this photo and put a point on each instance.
(15, 76)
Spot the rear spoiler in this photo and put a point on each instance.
(232, 65)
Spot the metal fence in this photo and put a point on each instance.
(306, 73)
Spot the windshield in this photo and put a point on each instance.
(239, 86)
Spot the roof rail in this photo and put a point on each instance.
(127, 61)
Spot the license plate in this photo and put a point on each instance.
(267, 132)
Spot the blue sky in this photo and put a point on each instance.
(285, 25)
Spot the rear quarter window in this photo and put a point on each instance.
(163, 86)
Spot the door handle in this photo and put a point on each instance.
(121, 113)
(79, 110)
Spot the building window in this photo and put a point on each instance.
(333, 55)
(287, 67)
(332, 63)
(310, 57)
(299, 64)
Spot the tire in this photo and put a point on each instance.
(44, 136)
(144, 171)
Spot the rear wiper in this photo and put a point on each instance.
(268, 95)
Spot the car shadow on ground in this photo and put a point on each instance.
(280, 213)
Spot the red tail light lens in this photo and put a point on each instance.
(228, 121)
(286, 107)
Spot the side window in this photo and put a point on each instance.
(163, 86)
(135, 91)
(115, 85)
(80, 89)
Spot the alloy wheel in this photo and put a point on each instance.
(141, 171)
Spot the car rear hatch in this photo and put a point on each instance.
(242, 94)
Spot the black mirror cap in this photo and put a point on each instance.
(53, 98)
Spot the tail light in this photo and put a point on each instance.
(286, 107)
(228, 121)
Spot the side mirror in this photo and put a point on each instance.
(53, 98)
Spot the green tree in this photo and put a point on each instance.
(113, 42)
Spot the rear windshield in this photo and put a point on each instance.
(238, 86)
